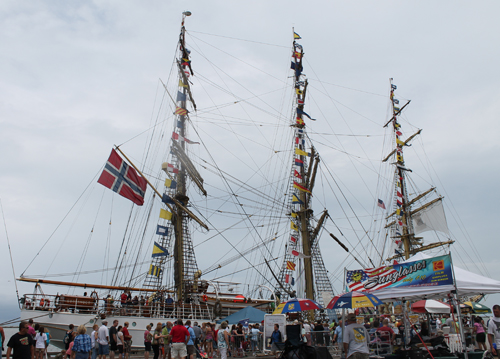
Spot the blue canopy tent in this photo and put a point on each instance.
(253, 315)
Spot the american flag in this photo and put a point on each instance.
(357, 278)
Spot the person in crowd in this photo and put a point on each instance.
(191, 350)
(232, 339)
(32, 330)
(337, 335)
(40, 343)
(318, 335)
(127, 345)
(223, 340)
(113, 340)
(355, 339)
(69, 351)
(367, 323)
(449, 322)
(307, 329)
(147, 341)
(94, 341)
(385, 333)
(120, 341)
(254, 332)
(103, 340)
(167, 354)
(480, 333)
(326, 334)
(157, 337)
(67, 337)
(494, 330)
(47, 333)
(276, 338)
(197, 333)
(209, 338)
(21, 344)
(82, 345)
(180, 337)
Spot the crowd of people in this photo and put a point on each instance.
(188, 340)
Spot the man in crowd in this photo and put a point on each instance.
(385, 333)
(450, 323)
(22, 343)
(493, 330)
(191, 350)
(355, 339)
(197, 333)
(103, 340)
(113, 340)
(180, 337)
(337, 335)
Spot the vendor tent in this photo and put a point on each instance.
(430, 306)
(253, 315)
(468, 284)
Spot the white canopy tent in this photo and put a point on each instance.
(468, 284)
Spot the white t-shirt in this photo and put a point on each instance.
(357, 337)
(103, 335)
(119, 337)
(40, 340)
(494, 328)
(92, 339)
(307, 327)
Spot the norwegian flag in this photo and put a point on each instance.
(356, 279)
(123, 179)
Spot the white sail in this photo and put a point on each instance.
(431, 218)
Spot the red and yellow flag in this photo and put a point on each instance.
(299, 187)
(290, 265)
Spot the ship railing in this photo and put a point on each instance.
(157, 309)
(59, 303)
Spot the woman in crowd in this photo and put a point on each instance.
(209, 339)
(223, 340)
(157, 338)
(41, 343)
(480, 334)
(120, 341)
(147, 341)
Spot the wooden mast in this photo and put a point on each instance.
(178, 220)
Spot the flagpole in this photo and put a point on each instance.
(178, 204)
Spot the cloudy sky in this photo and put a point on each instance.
(78, 77)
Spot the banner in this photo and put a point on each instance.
(422, 273)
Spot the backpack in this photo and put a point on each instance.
(67, 336)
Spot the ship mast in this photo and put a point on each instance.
(179, 170)
(402, 226)
(303, 257)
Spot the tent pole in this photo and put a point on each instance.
(459, 312)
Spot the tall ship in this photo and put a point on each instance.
(156, 274)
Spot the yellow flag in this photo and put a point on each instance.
(294, 226)
(299, 152)
(294, 214)
(181, 84)
(298, 91)
(165, 214)
(399, 142)
(400, 158)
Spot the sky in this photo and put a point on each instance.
(79, 77)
